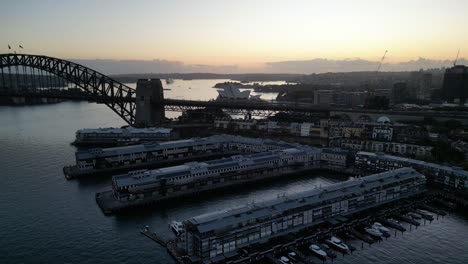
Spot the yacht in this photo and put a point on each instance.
(426, 215)
(380, 227)
(284, 260)
(395, 223)
(328, 250)
(177, 227)
(375, 233)
(292, 256)
(338, 244)
(318, 251)
(414, 215)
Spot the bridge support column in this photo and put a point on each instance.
(148, 111)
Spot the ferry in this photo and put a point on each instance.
(338, 244)
(177, 227)
(318, 251)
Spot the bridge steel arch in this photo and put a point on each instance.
(119, 97)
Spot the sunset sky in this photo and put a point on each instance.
(242, 32)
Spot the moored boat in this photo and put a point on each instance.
(380, 227)
(414, 215)
(395, 224)
(317, 251)
(374, 233)
(338, 244)
(426, 215)
(177, 227)
(328, 250)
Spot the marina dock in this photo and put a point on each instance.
(299, 241)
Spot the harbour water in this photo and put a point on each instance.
(46, 219)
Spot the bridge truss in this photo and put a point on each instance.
(96, 86)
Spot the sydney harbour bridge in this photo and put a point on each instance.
(26, 75)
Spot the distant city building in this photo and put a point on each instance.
(447, 177)
(382, 133)
(425, 86)
(401, 93)
(381, 146)
(335, 158)
(323, 97)
(350, 99)
(455, 86)
(340, 98)
(271, 127)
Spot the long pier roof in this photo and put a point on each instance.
(220, 219)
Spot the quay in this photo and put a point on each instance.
(265, 159)
(120, 136)
(109, 204)
(73, 172)
(299, 241)
(105, 161)
(153, 236)
(222, 235)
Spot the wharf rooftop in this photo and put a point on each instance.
(153, 146)
(379, 155)
(225, 218)
(143, 177)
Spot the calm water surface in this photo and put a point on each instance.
(46, 219)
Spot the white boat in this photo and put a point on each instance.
(318, 251)
(177, 227)
(380, 227)
(169, 81)
(292, 255)
(373, 232)
(284, 260)
(414, 215)
(337, 243)
(425, 214)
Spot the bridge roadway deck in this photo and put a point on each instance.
(305, 108)
(176, 104)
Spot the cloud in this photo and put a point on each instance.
(114, 67)
(355, 64)
(318, 65)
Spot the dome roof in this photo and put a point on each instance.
(383, 119)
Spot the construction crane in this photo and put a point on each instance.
(371, 89)
(381, 61)
(456, 58)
